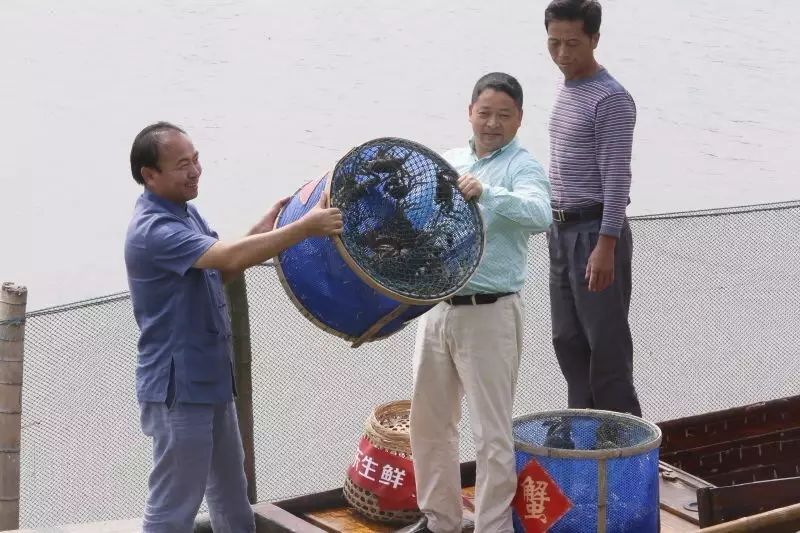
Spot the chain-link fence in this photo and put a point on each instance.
(715, 318)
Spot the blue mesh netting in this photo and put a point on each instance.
(405, 222)
(631, 482)
(325, 286)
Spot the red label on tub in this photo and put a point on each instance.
(307, 190)
(539, 502)
(388, 476)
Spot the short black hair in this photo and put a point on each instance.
(499, 81)
(144, 152)
(589, 11)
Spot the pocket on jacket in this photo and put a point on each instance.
(207, 358)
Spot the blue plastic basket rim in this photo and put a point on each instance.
(612, 453)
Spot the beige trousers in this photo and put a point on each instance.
(471, 350)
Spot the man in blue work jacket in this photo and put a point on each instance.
(184, 379)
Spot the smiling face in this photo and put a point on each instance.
(178, 173)
(495, 119)
(571, 48)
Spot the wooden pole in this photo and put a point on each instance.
(236, 292)
(777, 520)
(13, 299)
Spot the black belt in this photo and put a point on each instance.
(477, 299)
(576, 214)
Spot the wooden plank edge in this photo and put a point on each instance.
(312, 502)
(723, 504)
(683, 488)
(272, 519)
(775, 521)
(752, 441)
(335, 498)
(770, 406)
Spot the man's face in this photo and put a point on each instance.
(571, 48)
(495, 119)
(179, 170)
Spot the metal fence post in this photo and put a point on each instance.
(236, 292)
(13, 299)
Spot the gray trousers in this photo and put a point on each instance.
(591, 335)
(197, 450)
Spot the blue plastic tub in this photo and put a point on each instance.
(605, 463)
(409, 241)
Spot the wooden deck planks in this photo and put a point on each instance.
(345, 519)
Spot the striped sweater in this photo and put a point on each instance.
(591, 135)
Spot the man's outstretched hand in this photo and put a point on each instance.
(268, 222)
(323, 220)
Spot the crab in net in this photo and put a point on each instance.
(401, 214)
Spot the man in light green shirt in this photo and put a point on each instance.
(515, 203)
(470, 345)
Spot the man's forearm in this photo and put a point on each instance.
(529, 208)
(234, 257)
(230, 275)
(258, 248)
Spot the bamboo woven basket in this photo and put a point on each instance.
(386, 428)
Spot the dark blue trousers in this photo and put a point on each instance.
(591, 335)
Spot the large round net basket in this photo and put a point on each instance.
(583, 470)
(410, 240)
(387, 429)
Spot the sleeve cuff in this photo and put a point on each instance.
(611, 231)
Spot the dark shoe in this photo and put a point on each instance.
(421, 526)
(558, 435)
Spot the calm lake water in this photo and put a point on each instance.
(274, 92)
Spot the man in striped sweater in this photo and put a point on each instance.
(591, 134)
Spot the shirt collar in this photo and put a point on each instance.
(177, 209)
(512, 142)
(601, 72)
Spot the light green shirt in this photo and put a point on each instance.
(515, 204)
